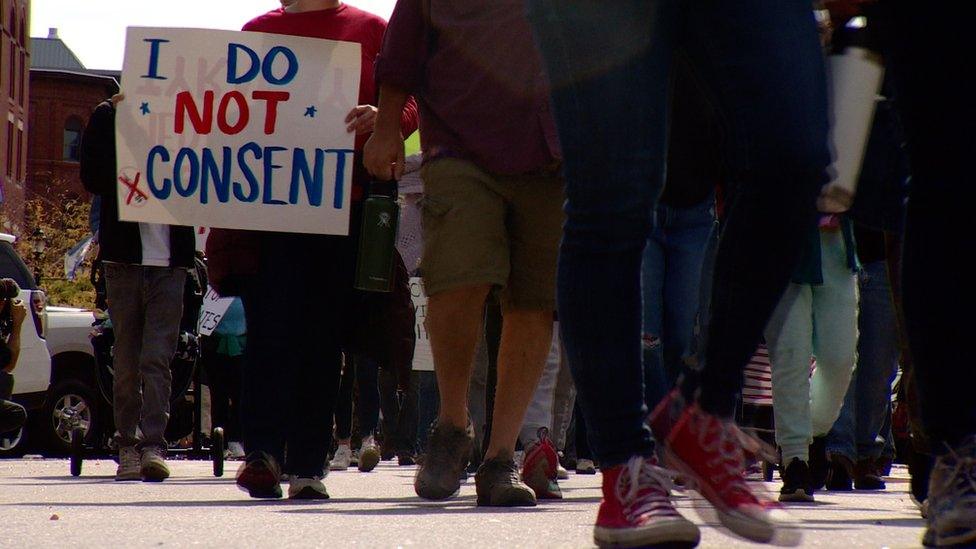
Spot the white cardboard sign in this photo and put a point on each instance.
(212, 312)
(237, 130)
(423, 359)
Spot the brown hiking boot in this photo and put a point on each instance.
(448, 450)
(498, 484)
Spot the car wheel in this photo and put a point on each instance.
(71, 406)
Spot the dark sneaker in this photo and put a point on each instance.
(152, 465)
(839, 472)
(307, 488)
(636, 510)
(498, 484)
(868, 476)
(540, 467)
(448, 451)
(406, 460)
(260, 476)
(369, 455)
(796, 482)
(129, 465)
(952, 498)
(708, 452)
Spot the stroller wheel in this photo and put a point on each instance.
(217, 451)
(77, 450)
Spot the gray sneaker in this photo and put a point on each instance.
(128, 464)
(499, 484)
(952, 498)
(448, 450)
(154, 468)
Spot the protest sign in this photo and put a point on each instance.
(423, 359)
(212, 311)
(236, 130)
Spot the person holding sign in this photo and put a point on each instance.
(491, 215)
(145, 273)
(298, 348)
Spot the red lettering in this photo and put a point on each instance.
(271, 100)
(243, 113)
(187, 107)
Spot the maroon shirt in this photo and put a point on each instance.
(478, 78)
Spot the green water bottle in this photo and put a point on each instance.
(377, 239)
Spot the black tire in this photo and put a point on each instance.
(217, 451)
(70, 404)
(77, 450)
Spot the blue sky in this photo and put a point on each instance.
(95, 29)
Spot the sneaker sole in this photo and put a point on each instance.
(677, 534)
(751, 528)
(964, 539)
(129, 477)
(154, 473)
(368, 461)
(308, 493)
(797, 496)
(516, 498)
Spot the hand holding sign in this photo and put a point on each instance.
(237, 130)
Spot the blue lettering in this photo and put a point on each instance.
(252, 72)
(313, 183)
(252, 181)
(219, 175)
(269, 168)
(340, 175)
(154, 58)
(267, 68)
(186, 154)
(162, 193)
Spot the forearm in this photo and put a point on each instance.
(389, 116)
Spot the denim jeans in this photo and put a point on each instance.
(813, 320)
(363, 372)
(608, 64)
(671, 277)
(400, 413)
(858, 432)
(292, 362)
(146, 307)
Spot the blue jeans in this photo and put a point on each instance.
(608, 63)
(671, 280)
(857, 433)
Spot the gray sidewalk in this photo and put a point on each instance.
(42, 506)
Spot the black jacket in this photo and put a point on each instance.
(119, 241)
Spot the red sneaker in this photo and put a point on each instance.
(636, 510)
(662, 419)
(708, 450)
(539, 467)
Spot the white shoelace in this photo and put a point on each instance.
(655, 483)
(727, 444)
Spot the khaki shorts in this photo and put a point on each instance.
(481, 229)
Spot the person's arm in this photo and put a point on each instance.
(18, 312)
(383, 153)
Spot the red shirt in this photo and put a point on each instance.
(348, 24)
(479, 80)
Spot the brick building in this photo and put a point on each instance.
(63, 94)
(14, 90)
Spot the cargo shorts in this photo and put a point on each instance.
(480, 228)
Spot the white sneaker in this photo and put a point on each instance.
(518, 457)
(341, 459)
(561, 472)
(585, 467)
(234, 450)
(130, 464)
(369, 455)
(307, 488)
(354, 458)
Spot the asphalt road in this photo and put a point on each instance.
(42, 506)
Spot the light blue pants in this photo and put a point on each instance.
(819, 321)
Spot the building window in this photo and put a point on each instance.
(72, 139)
(20, 154)
(10, 148)
(23, 79)
(12, 87)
